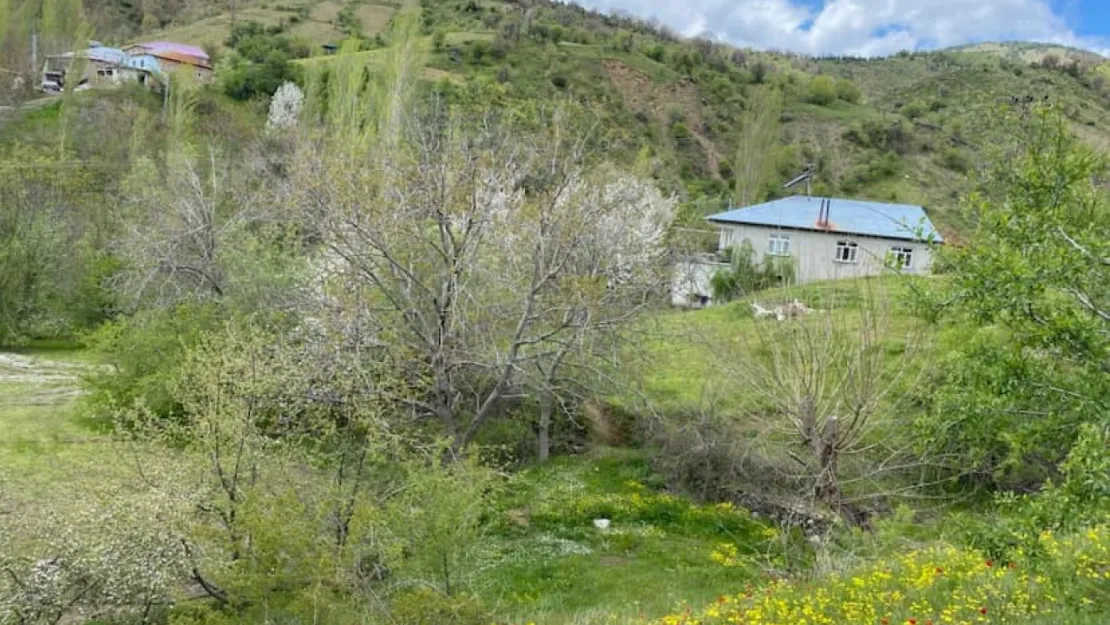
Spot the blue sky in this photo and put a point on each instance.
(1089, 18)
(878, 27)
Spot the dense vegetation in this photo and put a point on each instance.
(380, 336)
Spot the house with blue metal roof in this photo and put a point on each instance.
(101, 65)
(831, 238)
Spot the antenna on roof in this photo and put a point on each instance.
(807, 175)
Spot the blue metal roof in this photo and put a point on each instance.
(877, 219)
(115, 56)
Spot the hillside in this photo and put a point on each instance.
(378, 332)
(918, 126)
(909, 128)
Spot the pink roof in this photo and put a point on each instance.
(170, 47)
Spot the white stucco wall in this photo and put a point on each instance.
(814, 253)
(692, 281)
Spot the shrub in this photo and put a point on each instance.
(822, 90)
(724, 168)
(956, 160)
(882, 134)
(259, 64)
(759, 72)
(145, 353)
(914, 110)
(744, 276)
(848, 91)
(938, 584)
(423, 606)
(878, 167)
(478, 51)
(657, 53)
(560, 82)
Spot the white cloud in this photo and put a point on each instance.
(858, 27)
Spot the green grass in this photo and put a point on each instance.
(686, 355)
(554, 567)
(42, 435)
(320, 27)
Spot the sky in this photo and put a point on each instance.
(878, 27)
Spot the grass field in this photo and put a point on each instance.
(689, 353)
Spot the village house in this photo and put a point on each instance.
(823, 239)
(144, 63)
(174, 56)
(102, 66)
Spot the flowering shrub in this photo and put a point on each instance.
(935, 586)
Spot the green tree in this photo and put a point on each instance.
(757, 148)
(260, 63)
(1033, 283)
(822, 90)
(5, 16)
(848, 91)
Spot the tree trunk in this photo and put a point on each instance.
(827, 488)
(547, 408)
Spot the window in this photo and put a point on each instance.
(902, 257)
(779, 244)
(847, 252)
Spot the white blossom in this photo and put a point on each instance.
(285, 107)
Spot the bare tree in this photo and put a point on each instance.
(177, 224)
(484, 252)
(831, 386)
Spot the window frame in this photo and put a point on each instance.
(852, 256)
(904, 254)
(778, 244)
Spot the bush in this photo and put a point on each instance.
(878, 167)
(259, 64)
(848, 91)
(914, 110)
(560, 82)
(822, 90)
(744, 276)
(956, 160)
(882, 134)
(759, 72)
(145, 354)
(423, 606)
(942, 582)
(478, 51)
(657, 53)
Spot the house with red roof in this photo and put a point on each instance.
(174, 56)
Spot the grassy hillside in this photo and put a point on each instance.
(208, 22)
(910, 128)
(919, 126)
(313, 23)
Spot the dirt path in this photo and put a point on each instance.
(38, 405)
(33, 381)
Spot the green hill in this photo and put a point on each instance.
(913, 127)
(920, 125)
